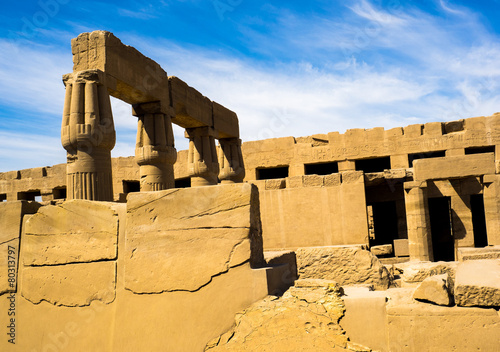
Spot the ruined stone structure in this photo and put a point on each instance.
(135, 253)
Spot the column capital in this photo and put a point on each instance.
(415, 184)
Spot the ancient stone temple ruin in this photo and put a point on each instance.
(383, 240)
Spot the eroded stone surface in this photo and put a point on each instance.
(344, 264)
(434, 289)
(305, 318)
(179, 239)
(478, 283)
(77, 231)
(413, 273)
(72, 285)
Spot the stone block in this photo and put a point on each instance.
(346, 265)
(76, 231)
(434, 289)
(413, 131)
(225, 121)
(278, 183)
(192, 109)
(382, 250)
(433, 129)
(454, 166)
(477, 283)
(179, 239)
(352, 177)
(332, 180)
(294, 182)
(312, 180)
(401, 247)
(416, 272)
(130, 75)
(492, 252)
(71, 285)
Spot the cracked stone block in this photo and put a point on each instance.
(434, 289)
(71, 285)
(345, 264)
(382, 250)
(179, 239)
(76, 231)
(11, 218)
(478, 283)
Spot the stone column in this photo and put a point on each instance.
(202, 156)
(418, 222)
(88, 135)
(491, 194)
(154, 150)
(232, 169)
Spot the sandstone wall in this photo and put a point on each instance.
(166, 271)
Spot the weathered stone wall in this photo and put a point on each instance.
(166, 271)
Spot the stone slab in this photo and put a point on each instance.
(225, 121)
(478, 283)
(401, 248)
(76, 231)
(434, 289)
(382, 250)
(454, 166)
(180, 239)
(344, 264)
(71, 285)
(492, 252)
(192, 109)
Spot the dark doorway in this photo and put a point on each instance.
(385, 223)
(3, 197)
(59, 193)
(31, 195)
(183, 182)
(272, 173)
(131, 186)
(443, 244)
(321, 168)
(374, 164)
(478, 220)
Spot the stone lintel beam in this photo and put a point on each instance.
(155, 152)
(202, 156)
(136, 79)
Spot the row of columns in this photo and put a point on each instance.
(88, 135)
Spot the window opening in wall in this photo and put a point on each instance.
(443, 244)
(478, 220)
(374, 164)
(31, 195)
(425, 155)
(272, 173)
(480, 150)
(3, 197)
(183, 182)
(385, 223)
(131, 186)
(59, 193)
(321, 168)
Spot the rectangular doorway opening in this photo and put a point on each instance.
(478, 220)
(131, 186)
(271, 173)
(3, 197)
(385, 223)
(321, 168)
(184, 182)
(30, 195)
(373, 164)
(443, 244)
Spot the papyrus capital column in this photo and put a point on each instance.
(154, 151)
(418, 222)
(202, 156)
(88, 135)
(231, 167)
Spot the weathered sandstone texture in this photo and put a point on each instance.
(69, 254)
(11, 218)
(412, 273)
(305, 318)
(478, 283)
(434, 289)
(344, 264)
(166, 246)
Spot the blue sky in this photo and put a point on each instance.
(288, 68)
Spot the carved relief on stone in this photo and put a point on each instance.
(202, 156)
(232, 169)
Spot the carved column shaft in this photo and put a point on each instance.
(232, 169)
(88, 135)
(202, 156)
(154, 152)
(418, 222)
